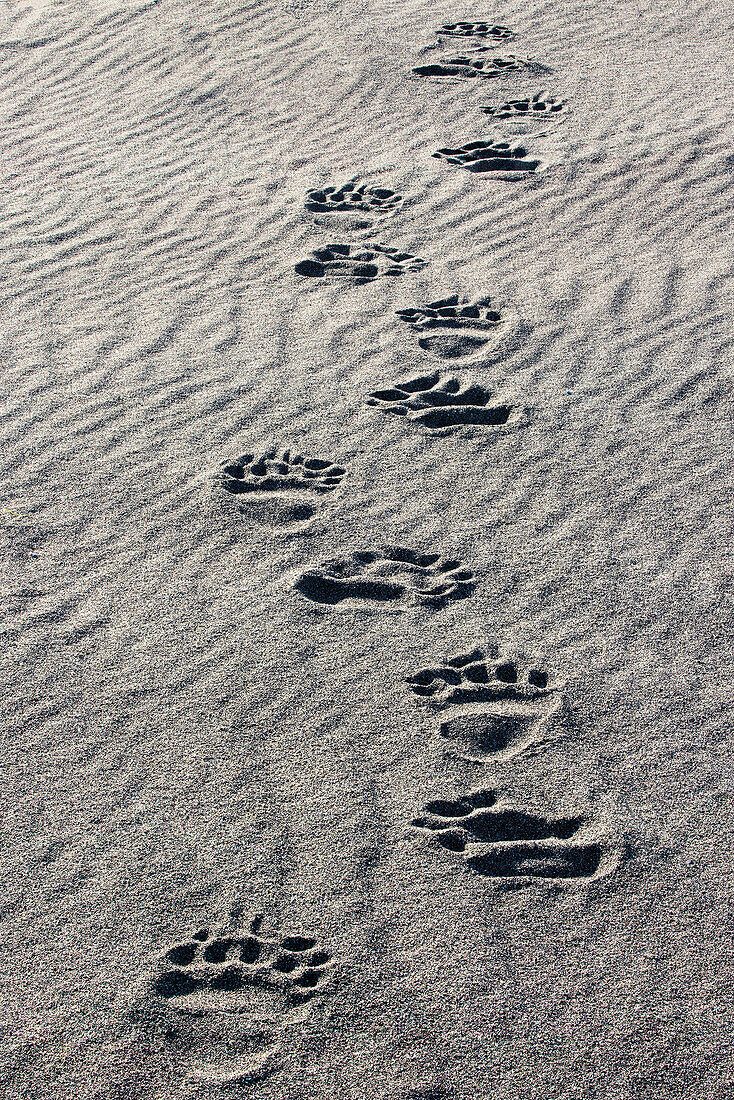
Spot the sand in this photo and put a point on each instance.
(367, 550)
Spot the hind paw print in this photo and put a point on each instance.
(504, 842)
(454, 327)
(358, 262)
(277, 487)
(466, 67)
(497, 157)
(496, 31)
(222, 1002)
(352, 198)
(433, 403)
(391, 574)
(540, 106)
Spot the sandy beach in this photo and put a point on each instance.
(367, 550)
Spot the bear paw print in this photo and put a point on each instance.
(223, 1005)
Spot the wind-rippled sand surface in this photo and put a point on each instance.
(349, 754)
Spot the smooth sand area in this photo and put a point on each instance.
(366, 453)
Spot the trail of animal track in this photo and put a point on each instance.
(185, 728)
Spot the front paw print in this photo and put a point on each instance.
(498, 706)
(222, 1003)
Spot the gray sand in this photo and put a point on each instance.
(263, 834)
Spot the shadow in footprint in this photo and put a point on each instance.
(535, 861)
(479, 735)
(332, 590)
